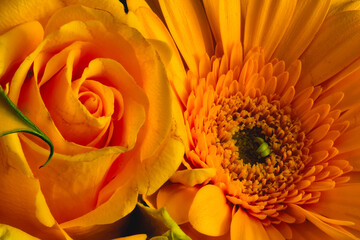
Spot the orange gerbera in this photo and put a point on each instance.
(271, 115)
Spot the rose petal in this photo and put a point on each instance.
(22, 203)
(13, 13)
(12, 47)
(77, 177)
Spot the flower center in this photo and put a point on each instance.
(269, 146)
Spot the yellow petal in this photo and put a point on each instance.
(230, 24)
(307, 19)
(323, 58)
(23, 205)
(344, 198)
(209, 213)
(7, 233)
(12, 49)
(134, 237)
(155, 29)
(307, 230)
(189, 27)
(13, 13)
(177, 200)
(120, 204)
(266, 23)
(213, 14)
(338, 6)
(192, 177)
(246, 227)
(330, 230)
(78, 179)
(155, 171)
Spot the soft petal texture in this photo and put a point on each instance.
(173, 196)
(264, 17)
(209, 213)
(111, 210)
(307, 19)
(8, 233)
(70, 177)
(245, 227)
(27, 211)
(155, 171)
(324, 58)
(135, 237)
(13, 13)
(12, 49)
(192, 177)
(331, 230)
(344, 199)
(189, 27)
(154, 29)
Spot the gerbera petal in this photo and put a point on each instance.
(209, 213)
(343, 198)
(173, 196)
(348, 141)
(266, 23)
(329, 229)
(324, 58)
(337, 6)
(192, 177)
(273, 233)
(244, 227)
(212, 13)
(189, 27)
(307, 231)
(307, 19)
(230, 24)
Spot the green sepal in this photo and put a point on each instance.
(12, 120)
(155, 223)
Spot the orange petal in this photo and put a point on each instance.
(264, 17)
(12, 49)
(246, 227)
(230, 24)
(23, 205)
(23, 11)
(329, 229)
(323, 58)
(77, 180)
(307, 19)
(192, 177)
(189, 27)
(344, 199)
(155, 29)
(177, 199)
(209, 213)
(110, 211)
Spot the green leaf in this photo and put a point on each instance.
(12, 120)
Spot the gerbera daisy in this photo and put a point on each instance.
(271, 109)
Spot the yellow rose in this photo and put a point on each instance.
(83, 74)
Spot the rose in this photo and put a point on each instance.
(97, 88)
